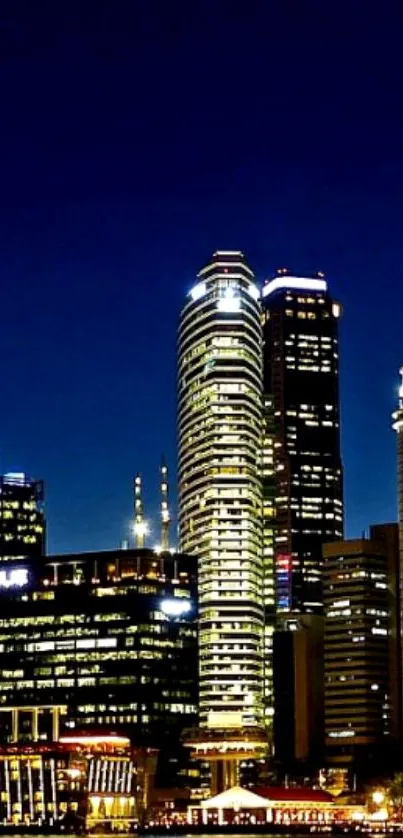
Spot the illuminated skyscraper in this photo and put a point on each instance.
(301, 363)
(220, 429)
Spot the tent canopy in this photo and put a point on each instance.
(236, 798)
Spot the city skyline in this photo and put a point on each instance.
(114, 192)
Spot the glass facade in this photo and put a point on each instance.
(111, 635)
(220, 431)
(301, 365)
(22, 527)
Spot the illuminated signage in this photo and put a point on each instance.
(175, 607)
(299, 283)
(16, 578)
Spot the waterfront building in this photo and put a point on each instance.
(362, 649)
(301, 366)
(78, 782)
(271, 806)
(22, 529)
(113, 636)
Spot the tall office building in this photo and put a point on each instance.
(22, 528)
(301, 363)
(220, 429)
(362, 659)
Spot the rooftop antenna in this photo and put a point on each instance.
(165, 514)
(140, 526)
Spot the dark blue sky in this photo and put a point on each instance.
(135, 138)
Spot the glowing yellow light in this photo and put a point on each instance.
(141, 528)
(378, 797)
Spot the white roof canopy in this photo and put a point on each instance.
(236, 798)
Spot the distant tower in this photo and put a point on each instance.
(397, 426)
(140, 526)
(165, 514)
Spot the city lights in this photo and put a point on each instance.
(175, 607)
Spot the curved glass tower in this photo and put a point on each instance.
(220, 430)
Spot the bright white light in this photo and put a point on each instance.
(253, 291)
(14, 477)
(198, 291)
(14, 578)
(296, 282)
(229, 302)
(141, 528)
(175, 607)
(336, 309)
(341, 734)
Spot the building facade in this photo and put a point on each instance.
(113, 636)
(22, 529)
(75, 784)
(362, 655)
(301, 365)
(220, 435)
(397, 424)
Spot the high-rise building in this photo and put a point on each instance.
(220, 430)
(362, 656)
(301, 364)
(111, 635)
(22, 528)
(397, 418)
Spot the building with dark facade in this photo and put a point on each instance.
(362, 649)
(298, 695)
(113, 636)
(301, 364)
(22, 528)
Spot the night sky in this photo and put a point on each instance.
(136, 137)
